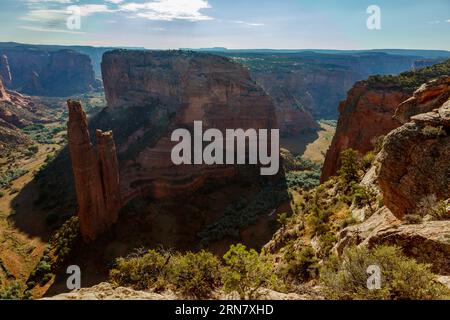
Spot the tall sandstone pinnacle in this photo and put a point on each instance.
(96, 175)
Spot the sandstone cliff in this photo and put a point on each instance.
(364, 116)
(95, 173)
(368, 112)
(150, 94)
(48, 73)
(414, 162)
(413, 176)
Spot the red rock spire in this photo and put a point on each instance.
(96, 175)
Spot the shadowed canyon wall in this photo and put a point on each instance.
(47, 73)
(155, 93)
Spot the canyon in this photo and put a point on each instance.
(39, 72)
(369, 112)
(171, 90)
(128, 192)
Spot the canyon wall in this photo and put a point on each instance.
(47, 73)
(366, 115)
(150, 94)
(378, 105)
(308, 85)
(414, 165)
(96, 175)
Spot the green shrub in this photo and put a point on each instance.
(246, 272)
(327, 242)
(300, 266)
(64, 239)
(13, 291)
(439, 211)
(349, 166)
(401, 277)
(139, 272)
(8, 177)
(360, 195)
(194, 274)
(368, 160)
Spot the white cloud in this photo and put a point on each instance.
(88, 9)
(447, 20)
(40, 15)
(168, 10)
(114, 1)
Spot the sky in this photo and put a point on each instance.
(235, 24)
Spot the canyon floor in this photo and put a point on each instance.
(25, 227)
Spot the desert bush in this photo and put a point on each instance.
(368, 160)
(8, 177)
(246, 272)
(327, 242)
(194, 274)
(360, 195)
(140, 272)
(300, 266)
(303, 179)
(64, 239)
(14, 291)
(402, 278)
(348, 171)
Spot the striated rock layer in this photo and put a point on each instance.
(364, 116)
(378, 105)
(96, 175)
(158, 92)
(48, 73)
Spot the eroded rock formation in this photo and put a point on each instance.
(364, 116)
(427, 242)
(49, 73)
(96, 175)
(429, 96)
(378, 105)
(158, 92)
(414, 162)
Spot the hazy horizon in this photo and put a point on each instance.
(250, 24)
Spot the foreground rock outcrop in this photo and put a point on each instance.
(150, 94)
(414, 162)
(429, 96)
(427, 242)
(47, 73)
(96, 175)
